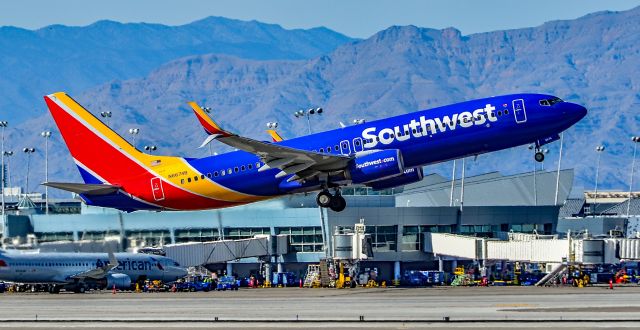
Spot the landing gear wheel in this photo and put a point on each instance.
(338, 203)
(539, 157)
(324, 198)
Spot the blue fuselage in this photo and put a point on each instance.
(423, 138)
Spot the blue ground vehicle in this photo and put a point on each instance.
(422, 278)
(197, 283)
(284, 279)
(530, 279)
(227, 283)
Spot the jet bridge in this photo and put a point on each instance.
(534, 248)
(204, 253)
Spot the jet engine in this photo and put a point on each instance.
(375, 166)
(121, 281)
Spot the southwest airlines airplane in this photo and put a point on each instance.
(380, 154)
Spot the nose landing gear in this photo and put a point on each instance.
(539, 156)
(335, 202)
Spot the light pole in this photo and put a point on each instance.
(150, 148)
(599, 150)
(46, 135)
(28, 151)
(134, 132)
(535, 181)
(3, 125)
(308, 113)
(107, 116)
(558, 172)
(453, 180)
(635, 140)
(462, 184)
(8, 154)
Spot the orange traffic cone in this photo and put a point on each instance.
(114, 289)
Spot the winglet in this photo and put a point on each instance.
(207, 123)
(274, 135)
(113, 262)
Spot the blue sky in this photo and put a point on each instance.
(354, 18)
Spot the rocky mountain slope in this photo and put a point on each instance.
(591, 60)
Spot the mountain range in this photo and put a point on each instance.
(73, 59)
(591, 60)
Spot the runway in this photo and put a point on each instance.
(325, 308)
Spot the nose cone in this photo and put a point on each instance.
(181, 272)
(576, 111)
(572, 112)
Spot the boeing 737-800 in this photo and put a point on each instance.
(379, 154)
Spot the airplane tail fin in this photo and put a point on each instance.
(102, 156)
(274, 135)
(207, 123)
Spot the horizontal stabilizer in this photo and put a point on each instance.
(84, 188)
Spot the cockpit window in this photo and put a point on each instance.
(550, 102)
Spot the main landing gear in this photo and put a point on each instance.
(336, 202)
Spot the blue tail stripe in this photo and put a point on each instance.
(88, 177)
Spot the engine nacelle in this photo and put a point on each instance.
(121, 281)
(410, 175)
(378, 165)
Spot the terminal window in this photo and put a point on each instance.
(243, 233)
(384, 238)
(413, 238)
(303, 239)
(196, 235)
(52, 237)
(148, 237)
(97, 235)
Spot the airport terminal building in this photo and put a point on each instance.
(493, 205)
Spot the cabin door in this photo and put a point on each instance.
(519, 111)
(156, 189)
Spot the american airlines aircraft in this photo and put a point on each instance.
(78, 271)
(380, 154)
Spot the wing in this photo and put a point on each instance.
(98, 272)
(301, 163)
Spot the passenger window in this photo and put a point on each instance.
(195, 178)
(228, 171)
(250, 166)
(202, 176)
(181, 181)
(328, 149)
(209, 175)
(321, 149)
(258, 165)
(235, 169)
(222, 173)
(336, 148)
(188, 179)
(499, 113)
(215, 174)
(506, 112)
(358, 142)
(242, 168)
